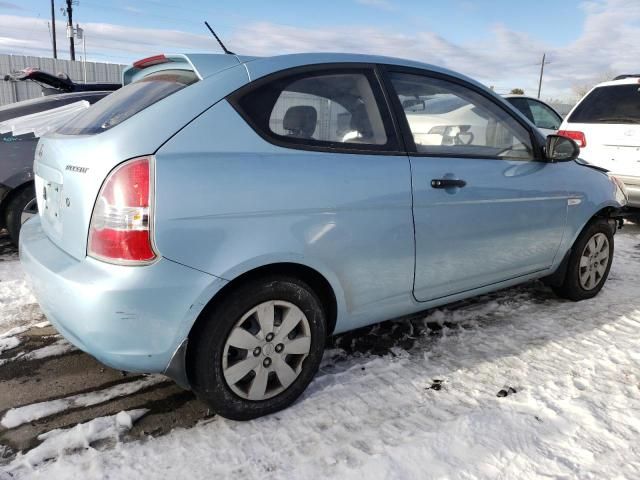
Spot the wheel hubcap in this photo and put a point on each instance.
(265, 350)
(29, 210)
(594, 261)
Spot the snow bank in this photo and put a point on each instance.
(60, 441)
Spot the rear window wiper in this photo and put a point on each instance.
(617, 120)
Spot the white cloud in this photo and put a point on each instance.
(504, 58)
(105, 42)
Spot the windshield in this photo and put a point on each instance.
(613, 104)
(129, 100)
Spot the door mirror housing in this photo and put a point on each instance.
(561, 149)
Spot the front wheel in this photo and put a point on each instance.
(589, 263)
(256, 352)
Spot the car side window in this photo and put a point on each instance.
(449, 119)
(335, 109)
(543, 116)
(523, 107)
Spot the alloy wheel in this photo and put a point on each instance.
(265, 350)
(594, 261)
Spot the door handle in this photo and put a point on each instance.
(447, 183)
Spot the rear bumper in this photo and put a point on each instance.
(633, 189)
(130, 318)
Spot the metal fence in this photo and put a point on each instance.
(15, 91)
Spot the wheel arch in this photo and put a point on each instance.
(605, 211)
(317, 281)
(557, 277)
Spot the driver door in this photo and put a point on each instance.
(486, 209)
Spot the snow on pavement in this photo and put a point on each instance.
(56, 442)
(59, 347)
(27, 413)
(17, 303)
(432, 410)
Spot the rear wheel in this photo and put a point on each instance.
(589, 263)
(20, 208)
(257, 351)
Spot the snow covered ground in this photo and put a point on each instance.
(517, 384)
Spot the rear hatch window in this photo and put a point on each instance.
(614, 104)
(129, 100)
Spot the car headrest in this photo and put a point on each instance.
(360, 122)
(300, 121)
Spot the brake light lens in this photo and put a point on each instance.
(149, 61)
(578, 137)
(120, 230)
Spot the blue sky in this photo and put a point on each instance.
(459, 20)
(498, 42)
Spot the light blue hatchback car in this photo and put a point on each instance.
(219, 216)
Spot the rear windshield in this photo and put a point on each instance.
(614, 104)
(127, 101)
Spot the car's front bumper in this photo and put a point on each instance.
(632, 185)
(130, 318)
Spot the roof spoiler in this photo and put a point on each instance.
(203, 64)
(60, 82)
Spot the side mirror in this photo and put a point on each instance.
(561, 149)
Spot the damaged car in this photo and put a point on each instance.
(220, 216)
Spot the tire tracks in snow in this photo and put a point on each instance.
(474, 348)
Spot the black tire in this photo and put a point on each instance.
(207, 343)
(14, 210)
(572, 287)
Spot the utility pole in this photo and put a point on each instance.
(544, 56)
(79, 33)
(72, 47)
(53, 29)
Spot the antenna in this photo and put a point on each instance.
(228, 52)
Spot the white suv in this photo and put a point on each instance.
(606, 126)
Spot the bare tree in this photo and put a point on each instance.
(581, 89)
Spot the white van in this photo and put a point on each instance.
(606, 126)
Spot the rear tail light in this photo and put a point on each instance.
(120, 230)
(149, 61)
(578, 137)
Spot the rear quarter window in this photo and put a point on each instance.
(612, 104)
(127, 101)
(335, 108)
